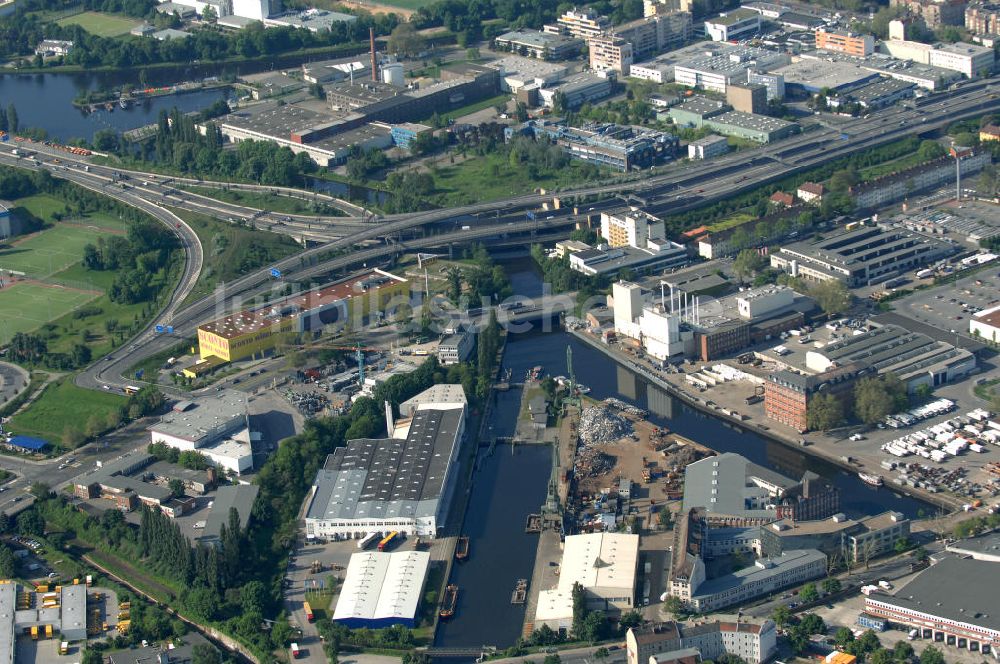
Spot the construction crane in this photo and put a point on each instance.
(571, 399)
(359, 355)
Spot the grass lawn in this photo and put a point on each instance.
(50, 250)
(42, 206)
(63, 405)
(406, 4)
(26, 306)
(472, 108)
(489, 178)
(731, 221)
(231, 251)
(274, 203)
(100, 24)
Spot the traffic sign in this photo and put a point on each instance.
(139, 373)
(159, 329)
(276, 273)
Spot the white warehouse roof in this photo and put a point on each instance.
(599, 560)
(382, 589)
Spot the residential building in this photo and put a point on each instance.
(990, 132)
(747, 97)
(787, 394)
(580, 23)
(952, 603)
(401, 483)
(541, 45)
(983, 18)
(610, 52)
(652, 35)
(735, 24)
(382, 589)
(865, 255)
(456, 348)
(604, 564)
(53, 47)
(986, 324)
(632, 228)
(935, 13)
(969, 59)
(810, 192)
(254, 332)
(708, 147)
(775, 83)
(216, 426)
(782, 198)
(844, 41)
(753, 640)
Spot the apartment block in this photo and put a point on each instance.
(611, 52)
(843, 41)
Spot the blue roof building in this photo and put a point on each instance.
(28, 443)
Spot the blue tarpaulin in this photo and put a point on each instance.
(28, 443)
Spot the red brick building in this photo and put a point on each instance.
(787, 394)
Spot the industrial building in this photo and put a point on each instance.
(255, 332)
(382, 589)
(986, 324)
(865, 255)
(718, 116)
(64, 611)
(604, 564)
(216, 426)
(708, 147)
(717, 68)
(313, 20)
(952, 603)
(519, 73)
(877, 94)
(787, 394)
(985, 547)
(456, 348)
(753, 640)
(133, 479)
(969, 59)
(747, 97)
(850, 540)
(809, 76)
(580, 89)
(732, 491)
(10, 223)
(619, 147)
(401, 483)
(736, 24)
(775, 83)
(604, 259)
(541, 45)
(239, 497)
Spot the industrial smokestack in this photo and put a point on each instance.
(371, 38)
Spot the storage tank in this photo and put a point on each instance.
(392, 74)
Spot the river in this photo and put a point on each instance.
(507, 487)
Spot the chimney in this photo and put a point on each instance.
(371, 38)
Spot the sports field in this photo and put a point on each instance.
(26, 306)
(102, 25)
(48, 251)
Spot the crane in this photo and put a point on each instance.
(359, 355)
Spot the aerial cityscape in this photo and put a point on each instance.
(516, 331)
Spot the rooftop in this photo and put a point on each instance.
(732, 17)
(752, 121)
(208, 416)
(955, 588)
(763, 569)
(817, 74)
(731, 485)
(381, 586)
(241, 497)
(8, 603)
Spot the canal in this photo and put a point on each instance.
(509, 485)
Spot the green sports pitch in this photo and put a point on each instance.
(47, 252)
(26, 306)
(102, 25)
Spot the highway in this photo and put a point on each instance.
(353, 242)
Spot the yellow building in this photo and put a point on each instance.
(256, 332)
(989, 133)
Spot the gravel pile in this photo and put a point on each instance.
(618, 404)
(599, 425)
(591, 462)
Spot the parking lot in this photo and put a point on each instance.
(948, 307)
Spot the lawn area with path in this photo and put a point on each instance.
(100, 24)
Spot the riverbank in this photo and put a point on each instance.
(812, 448)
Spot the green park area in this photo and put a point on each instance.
(26, 306)
(52, 250)
(62, 403)
(100, 24)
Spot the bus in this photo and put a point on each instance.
(130, 389)
(308, 610)
(387, 540)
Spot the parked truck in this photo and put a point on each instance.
(296, 653)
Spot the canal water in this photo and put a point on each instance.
(508, 486)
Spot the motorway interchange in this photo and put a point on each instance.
(674, 191)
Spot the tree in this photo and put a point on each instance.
(7, 563)
(204, 653)
(869, 642)
(881, 656)
(30, 522)
(40, 490)
(843, 637)
(674, 606)
(176, 488)
(405, 40)
(92, 657)
(781, 615)
(747, 263)
(831, 586)
(12, 122)
(902, 651)
(877, 397)
(552, 659)
(824, 412)
(809, 593)
(831, 296)
(601, 654)
(812, 624)
(902, 545)
(931, 655)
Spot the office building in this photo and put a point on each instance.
(843, 41)
(604, 564)
(382, 589)
(753, 640)
(619, 147)
(402, 483)
(747, 97)
(986, 324)
(255, 332)
(577, 90)
(718, 68)
(580, 23)
(736, 24)
(541, 45)
(215, 426)
(456, 348)
(655, 34)
(239, 497)
(708, 147)
(865, 255)
(969, 59)
(982, 18)
(633, 228)
(848, 540)
(952, 603)
(935, 13)
(734, 492)
(774, 83)
(788, 394)
(610, 52)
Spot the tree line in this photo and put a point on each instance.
(140, 259)
(870, 401)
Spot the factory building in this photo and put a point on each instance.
(255, 332)
(582, 88)
(717, 68)
(865, 255)
(216, 426)
(736, 24)
(747, 97)
(382, 589)
(401, 483)
(604, 564)
(708, 147)
(952, 603)
(984, 547)
(619, 147)
(753, 640)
